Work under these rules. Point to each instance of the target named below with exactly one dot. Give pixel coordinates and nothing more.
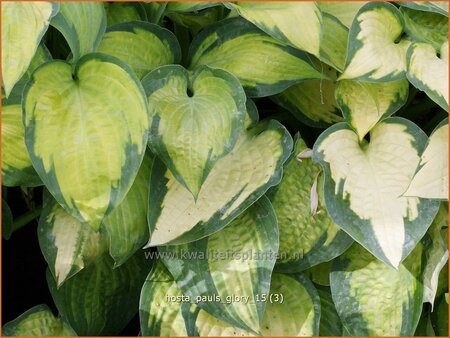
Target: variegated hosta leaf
(67, 244)
(431, 28)
(141, 45)
(431, 178)
(440, 7)
(330, 323)
(263, 65)
(82, 24)
(86, 132)
(121, 12)
(162, 306)
(435, 244)
(127, 225)
(100, 299)
(37, 321)
(196, 119)
(23, 26)
(313, 102)
(364, 183)
(333, 46)
(249, 246)
(189, 6)
(235, 182)
(344, 11)
(428, 71)
(363, 104)
(297, 314)
(374, 299)
(17, 169)
(373, 53)
(15, 96)
(307, 237)
(298, 24)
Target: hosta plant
(228, 168)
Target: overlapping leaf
(37, 321)
(86, 132)
(121, 12)
(431, 178)
(365, 182)
(375, 52)
(191, 131)
(344, 11)
(82, 24)
(440, 7)
(307, 237)
(298, 24)
(263, 65)
(101, 300)
(334, 41)
(363, 104)
(313, 101)
(236, 261)
(141, 45)
(23, 26)
(330, 323)
(428, 71)
(374, 299)
(235, 182)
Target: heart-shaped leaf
(196, 119)
(100, 299)
(298, 24)
(363, 104)
(306, 238)
(440, 7)
(86, 132)
(344, 11)
(431, 178)
(428, 71)
(374, 54)
(141, 45)
(82, 24)
(17, 169)
(37, 321)
(374, 299)
(365, 182)
(263, 65)
(312, 102)
(431, 28)
(23, 26)
(235, 182)
(247, 248)
(121, 12)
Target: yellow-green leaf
(37, 321)
(374, 54)
(428, 71)
(23, 26)
(298, 24)
(313, 101)
(363, 104)
(344, 11)
(141, 45)
(82, 24)
(333, 46)
(365, 182)
(307, 237)
(121, 12)
(196, 119)
(431, 178)
(86, 132)
(235, 261)
(17, 169)
(263, 65)
(235, 182)
(374, 299)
